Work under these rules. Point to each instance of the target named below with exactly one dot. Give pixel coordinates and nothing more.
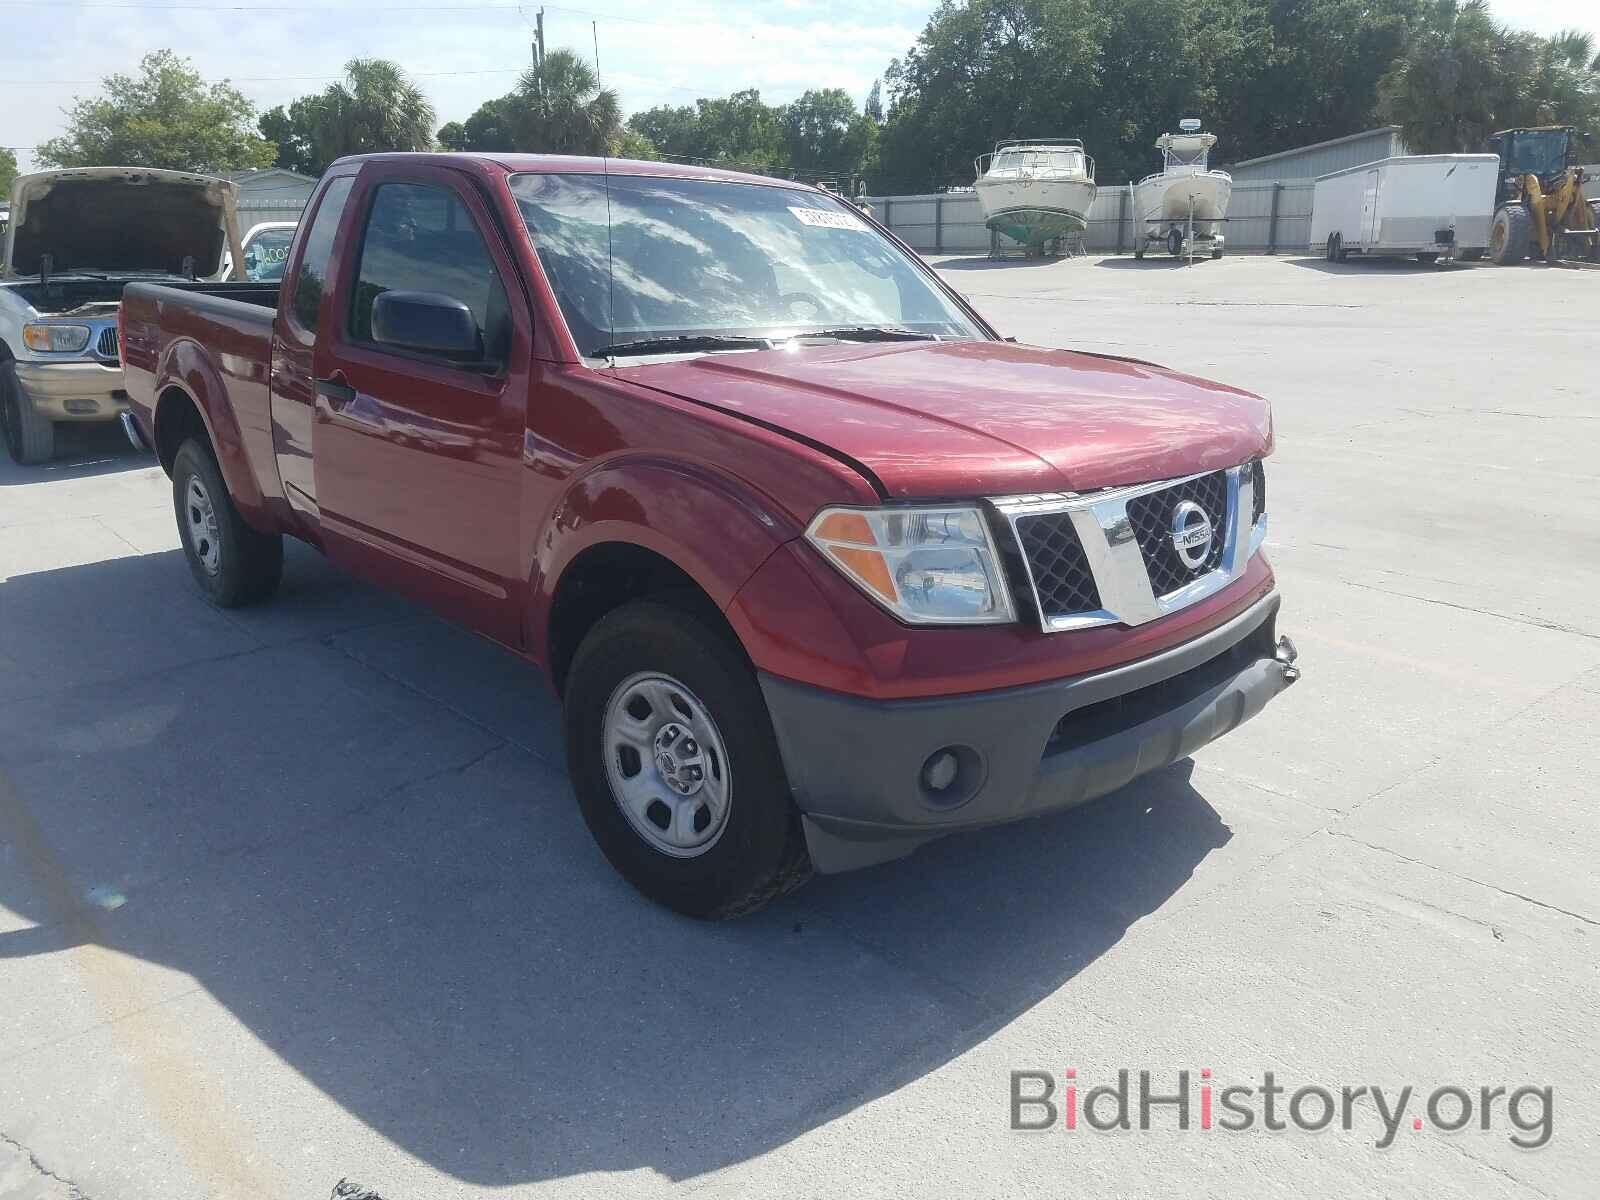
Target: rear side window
(313, 275)
(422, 239)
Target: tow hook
(1286, 654)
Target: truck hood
(948, 419)
(124, 220)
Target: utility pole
(538, 50)
(594, 28)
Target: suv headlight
(928, 566)
(55, 339)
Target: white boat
(1036, 190)
(1184, 203)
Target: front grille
(1258, 476)
(1151, 517)
(106, 347)
(1061, 576)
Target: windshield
(1542, 154)
(675, 257)
(266, 254)
(1052, 161)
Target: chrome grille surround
(1110, 546)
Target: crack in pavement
(1537, 903)
(39, 1168)
(1515, 618)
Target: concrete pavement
(300, 893)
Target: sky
(465, 51)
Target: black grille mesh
(1258, 475)
(1151, 515)
(1061, 575)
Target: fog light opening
(951, 776)
(940, 771)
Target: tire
(1473, 255)
(1427, 257)
(1510, 235)
(1332, 246)
(1216, 253)
(1340, 254)
(29, 438)
(232, 564)
(1138, 251)
(754, 849)
(1175, 241)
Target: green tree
(1465, 75)
(291, 138)
(375, 107)
(873, 108)
(166, 116)
(8, 172)
(560, 108)
(673, 130)
(824, 134)
(629, 143)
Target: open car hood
(951, 419)
(126, 220)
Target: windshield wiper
(687, 343)
(870, 333)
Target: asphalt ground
(300, 893)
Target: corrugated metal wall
(952, 222)
(1311, 161)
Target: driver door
(418, 456)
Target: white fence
(1265, 217)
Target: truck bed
(226, 331)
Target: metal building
(1305, 163)
(271, 195)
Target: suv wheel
(232, 563)
(675, 766)
(29, 438)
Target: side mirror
(427, 322)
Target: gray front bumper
(73, 391)
(856, 766)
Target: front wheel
(29, 438)
(232, 563)
(675, 765)
(1511, 235)
(1175, 241)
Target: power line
(261, 78)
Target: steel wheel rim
(667, 765)
(200, 515)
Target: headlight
(928, 566)
(55, 339)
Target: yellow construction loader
(1540, 209)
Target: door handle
(336, 391)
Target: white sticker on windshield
(826, 218)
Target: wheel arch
(190, 399)
(602, 578)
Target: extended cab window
(319, 248)
(421, 238)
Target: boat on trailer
(1185, 204)
(1036, 190)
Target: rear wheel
(232, 563)
(1330, 251)
(1510, 235)
(29, 438)
(675, 766)
(1175, 241)
(1339, 252)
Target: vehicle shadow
(1379, 266)
(1154, 260)
(349, 823)
(82, 451)
(985, 263)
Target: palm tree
(376, 107)
(564, 108)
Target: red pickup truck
(821, 567)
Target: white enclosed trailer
(1425, 205)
